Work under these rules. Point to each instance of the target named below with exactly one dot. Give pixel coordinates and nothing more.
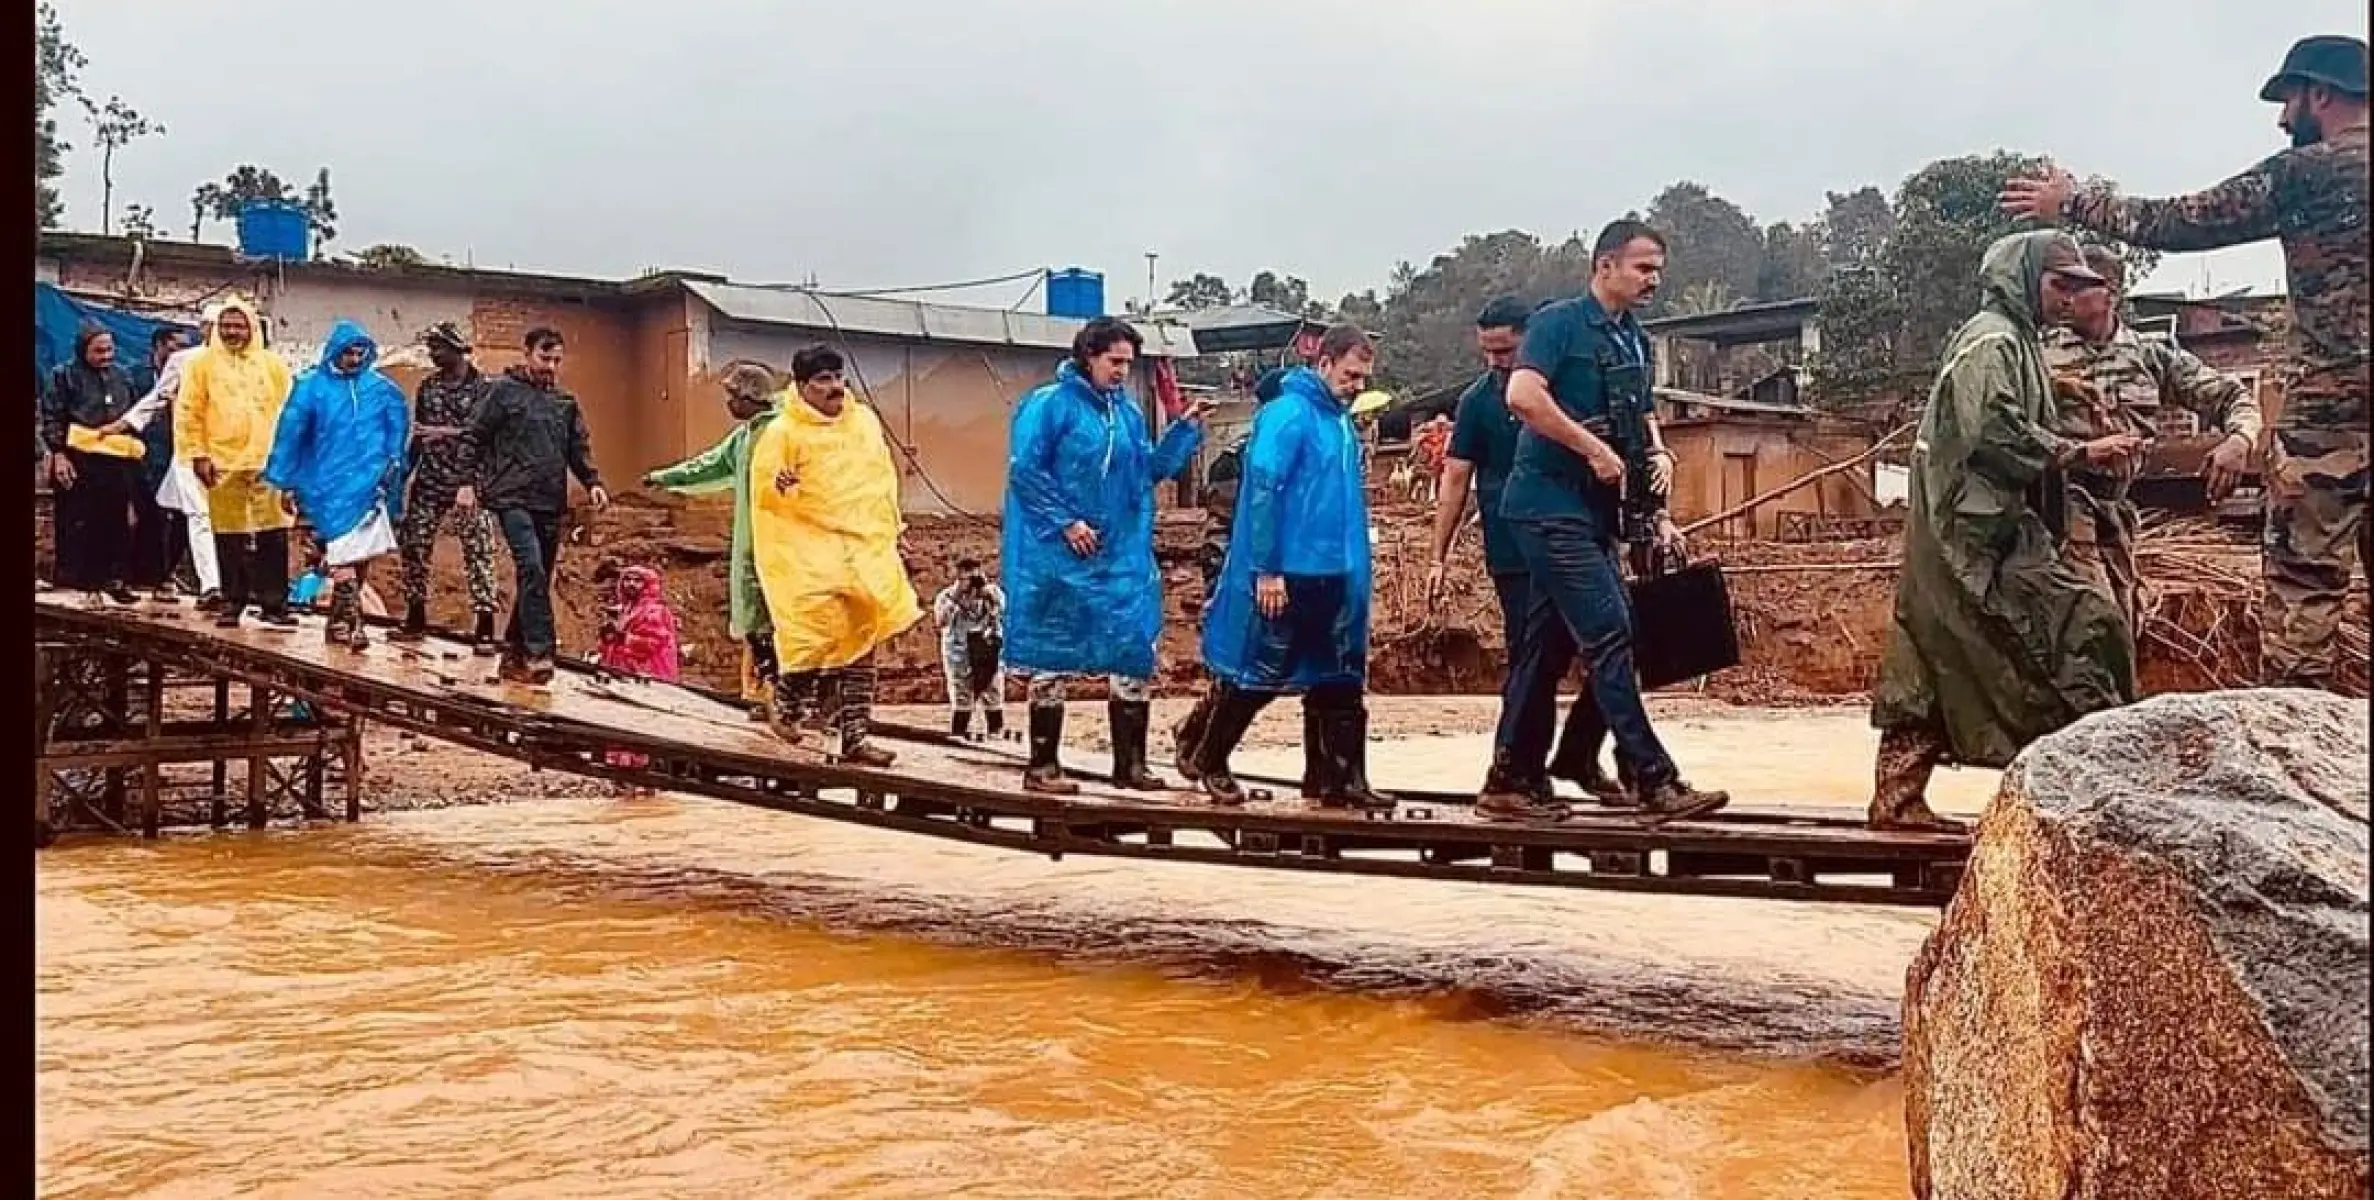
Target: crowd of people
(2017, 612)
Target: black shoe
(1187, 733)
(226, 616)
(278, 618)
(1232, 714)
(994, 722)
(1129, 720)
(960, 723)
(1674, 800)
(415, 627)
(1344, 733)
(210, 602)
(1044, 775)
(482, 636)
(120, 594)
(868, 755)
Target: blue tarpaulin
(57, 317)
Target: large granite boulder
(2153, 981)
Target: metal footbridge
(108, 720)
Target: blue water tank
(1076, 293)
(273, 229)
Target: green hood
(2011, 276)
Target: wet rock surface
(2153, 982)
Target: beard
(2307, 130)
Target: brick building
(642, 352)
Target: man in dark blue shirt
(1580, 358)
(1483, 448)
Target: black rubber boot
(1044, 775)
(415, 627)
(1346, 739)
(960, 723)
(1129, 720)
(1189, 731)
(1320, 774)
(1232, 714)
(482, 636)
(993, 722)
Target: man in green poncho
(750, 393)
(1998, 638)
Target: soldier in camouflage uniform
(444, 460)
(2313, 198)
(2109, 380)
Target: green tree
(321, 213)
(116, 125)
(140, 222)
(57, 67)
(1709, 239)
(1793, 266)
(1854, 227)
(249, 183)
(390, 254)
(1199, 291)
(1284, 293)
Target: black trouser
(1335, 736)
(534, 539)
(255, 570)
(164, 537)
(1578, 584)
(1586, 731)
(93, 522)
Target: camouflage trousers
(2101, 542)
(1050, 691)
(423, 519)
(838, 698)
(2316, 532)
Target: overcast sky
(898, 142)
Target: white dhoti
(374, 537)
(182, 493)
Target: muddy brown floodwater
(598, 998)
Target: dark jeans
(255, 570)
(93, 522)
(1578, 590)
(534, 540)
(1586, 731)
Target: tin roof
(916, 320)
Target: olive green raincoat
(1997, 640)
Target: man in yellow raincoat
(230, 403)
(824, 531)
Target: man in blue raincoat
(338, 453)
(1291, 611)
(1083, 597)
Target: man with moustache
(530, 437)
(1579, 359)
(228, 410)
(2313, 199)
(1998, 636)
(444, 461)
(751, 393)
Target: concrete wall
(628, 384)
(1711, 472)
(950, 402)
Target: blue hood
(343, 335)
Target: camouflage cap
(2063, 256)
(2107, 262)
(2329, 60)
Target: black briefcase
(1681, 626)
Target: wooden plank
(123, 753)
(259, 714)
(152, 773)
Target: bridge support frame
(117, 733)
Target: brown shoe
(1674, 800)
(1520, 807)
(1913, 816)
(868, 755)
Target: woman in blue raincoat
(1290, 613)
(1083, 597)
(338, 453)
